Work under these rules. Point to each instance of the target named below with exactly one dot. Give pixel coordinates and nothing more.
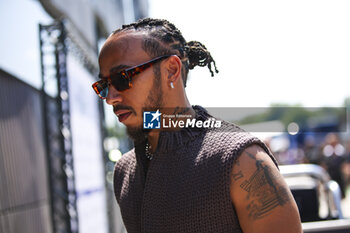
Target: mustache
(123, 107)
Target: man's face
(121, 52)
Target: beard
(153, 101)
(137, 134)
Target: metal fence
(24, 193)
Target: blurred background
(285, 63)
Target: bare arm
(261, 197)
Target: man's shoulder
(229, 127)
(127, 161)
(124, 166)
(230, 140)
(229, 132)
(122, 170)
(223, 126)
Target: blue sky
(19, 41)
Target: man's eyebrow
(114, 70)
(118, 68)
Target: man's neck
(153, 136)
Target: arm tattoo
(263, 194)
(237, 162)
(237, 176)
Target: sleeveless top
(186, 187)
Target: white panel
(88, 159)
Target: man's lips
(122, 114)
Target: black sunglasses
(122, 80)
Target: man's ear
(173, 67)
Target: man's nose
(113, 96)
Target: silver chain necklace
(148, 154)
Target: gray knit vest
(186, 187)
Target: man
(184, 179)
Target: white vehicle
(318, 198)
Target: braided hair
(164, 39)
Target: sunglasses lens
(101, 88)
(104, 92)
(120, 82)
